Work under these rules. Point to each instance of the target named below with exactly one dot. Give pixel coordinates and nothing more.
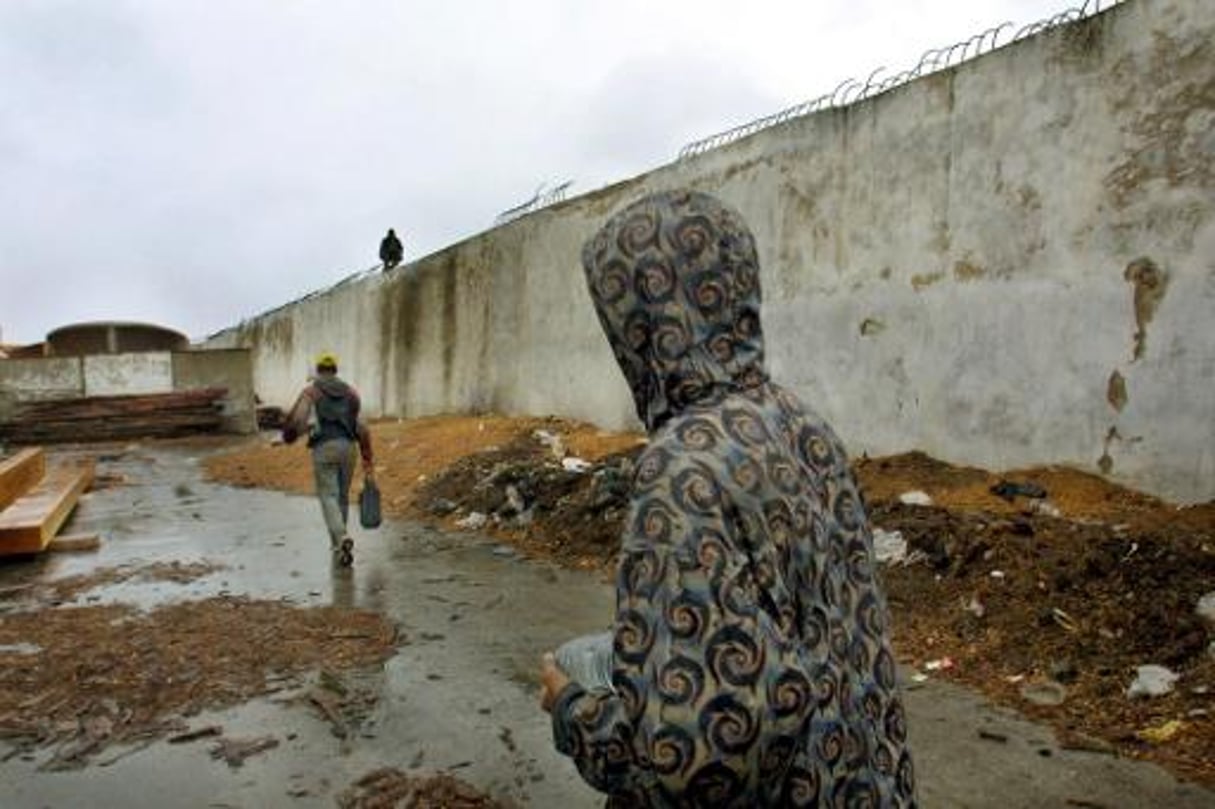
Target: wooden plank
(32, 521)
(72, 543)
(20, 473)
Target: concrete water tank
(112, 337)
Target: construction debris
(389, 788)
(85, 678)
(110, 418)
(235, 751)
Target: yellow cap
(326, 359)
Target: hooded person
(328, 411)
(751, 660)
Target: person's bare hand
(552, 681)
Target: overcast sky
(194, 162)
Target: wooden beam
(29, 524)
(20, 473)
(71, 543)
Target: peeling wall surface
(1006, 263)
(127, 374)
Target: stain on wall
(1149, 282)
(1115, 392)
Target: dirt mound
(555, 506)
(1016, 604)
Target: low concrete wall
(1006, 263)
(231, 369)
(128, 374)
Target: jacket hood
(330, 385)
(675, 281)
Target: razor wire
(541, 199)
(851, 91)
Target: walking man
(328, 411)
(391, 250)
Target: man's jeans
(332, 465)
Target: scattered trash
(975, 607)
(392, 787)
(441, 507)
(1064, 620)
(1152, 681)
(1161, 733)
(552, 441)
(889, 547)
(919, 677)
(997, 574)
(20, 649)
(474, 521)
(235, 751)
(572, 464)
(505, 551)
(1063, 671)
(1206, 609)
(1046, 508)
(944, 664)
(992, 736)
(1010, 490)
(195, 735)
(1046, 693)
(915, 498)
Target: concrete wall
(128, 374)
(24, 380)
(231, 369)
(1011, 262)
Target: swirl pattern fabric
(752, 662)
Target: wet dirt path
(460, 694)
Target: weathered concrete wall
(1011, 262)
(231, 369)
(23, 380)
(128, 374)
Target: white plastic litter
(1152, 681)
(889, 547)
(572, 464)
(1206, 609)
(915, 498)
(552, 441)
(473, 521)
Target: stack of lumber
(36, 501)
(108, 418)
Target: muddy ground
(1045, 599)
(209, 654)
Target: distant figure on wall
(391, 251)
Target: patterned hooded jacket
(752, 663)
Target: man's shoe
(346, 552)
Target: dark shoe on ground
(346, 552)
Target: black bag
(369, 505)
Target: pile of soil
(408, 453)
(389, 788)
(1065, 592)
(525, 494)
(83, 678)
